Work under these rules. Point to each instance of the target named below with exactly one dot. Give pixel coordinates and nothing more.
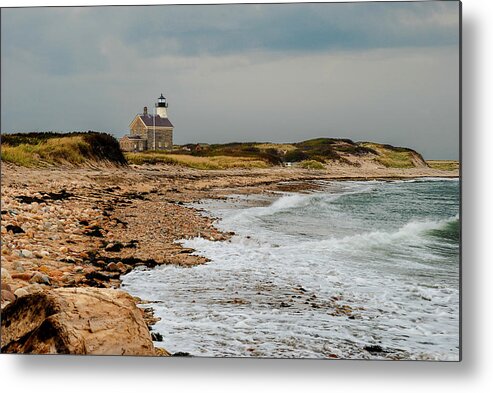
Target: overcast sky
(385, 72)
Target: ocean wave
(426, 179)
(296, 201)
(412, 232)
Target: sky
(383, 72)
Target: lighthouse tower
(162, 107)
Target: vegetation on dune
(79, 148)
(321, 149)
(237, 149)
(311, 164)
(444, 165)
(191, 161)
(331, 149)
(45, 149)
(395, 157)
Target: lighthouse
(162, 107)
(150, 132)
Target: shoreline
(173, 312)
(105, 221)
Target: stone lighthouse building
(150, 131)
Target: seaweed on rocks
(14, 229)
(156, 336)
(99, 260)
(94, 231)
(48, 196)
(102, 276)
(374, 349)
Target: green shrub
(296, 155)
(311, 164)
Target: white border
(84, 374)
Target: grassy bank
(395, 157)
(46, 149)
(215, 162)
(307, 153)
(443, 165)
(80, 148)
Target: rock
(5, 274)
(41, 254)
(21, 292)
(22, 276)
(26, 254)
(156, 336)
(121, 266)
(19, 267)
(112, 267)
(33, 288)
(6, 287)
(75, 321)
(40, 278)
(161, 352)
(7, 296)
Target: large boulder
(90, 321)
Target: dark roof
(160, 121)
(132, 136)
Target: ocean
(353, 270)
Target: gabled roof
(158, 122)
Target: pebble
(121, 266)
(26, 253)
(19, 267)
(8, 296)
(5, 274)
(40, 278)
(21, 292)
(33, 288)
(112, 267)
(22, 276)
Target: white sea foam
(382, 263)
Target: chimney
(145, 110)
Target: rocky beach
(70, 233)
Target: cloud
(69, 40)
(387, 72)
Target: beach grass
(443, 165)
(69, 150)
(392, 157)
(284, 147)
(196, 162)
(48, 149)
(311, 164)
